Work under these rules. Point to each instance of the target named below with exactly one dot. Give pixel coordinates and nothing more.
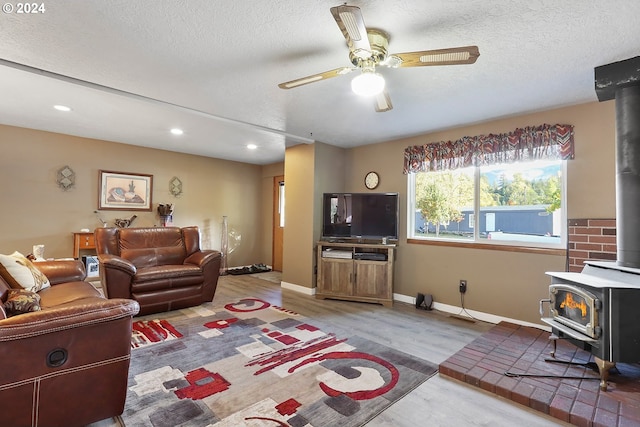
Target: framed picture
(124, 191)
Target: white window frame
(412, 209)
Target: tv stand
(356, 272)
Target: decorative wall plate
(66, 178)
(175, 186)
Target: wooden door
(278, 222)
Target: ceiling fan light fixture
(392, 61)
(368, 84)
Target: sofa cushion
(144, 257)
(21, 301)
(157, 246)
(68, 293)
(166, 277)
(20, 273)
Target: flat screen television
(360, 216)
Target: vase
(166, 220)
(224, 245)
(165, 211)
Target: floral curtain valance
(522, 144)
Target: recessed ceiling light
(177, 131)
(252, 146)
(62, 108)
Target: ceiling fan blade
(383, 102)
(351, 23)
(451, 56)
(316, 77)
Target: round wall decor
(371, 180)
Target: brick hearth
(520, 349)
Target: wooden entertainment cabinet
(356, 272)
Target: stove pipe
(621, 80)
(628, 176)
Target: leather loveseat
(67, 363)
(162, 268)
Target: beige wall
(310, 170)
(505, 284)
(297, 263)
(330, 177)
(502, 283)
(36, 211)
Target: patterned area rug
(250, 363)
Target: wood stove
(597, 308)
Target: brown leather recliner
(66, 364)
(162, 268)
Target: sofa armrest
(116, 275)
(61, 271)
(202, 258)
(117, 263)
(67, 317)
(209, 261)
(66, 365)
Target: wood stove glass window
(509, 204)
(572, 306)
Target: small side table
(83, 241)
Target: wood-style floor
(430, 335)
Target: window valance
(522, 144)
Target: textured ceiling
(131, 70)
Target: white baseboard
(404, 298)
(298, 288)
(446, 308)
(471, 314)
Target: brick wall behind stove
(591, 239)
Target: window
(513, 204)
(281, 202)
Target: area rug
(251, 363)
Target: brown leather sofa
(66, 364)
(162, 268)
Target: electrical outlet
(463, 286)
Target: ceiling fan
(368, 50)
